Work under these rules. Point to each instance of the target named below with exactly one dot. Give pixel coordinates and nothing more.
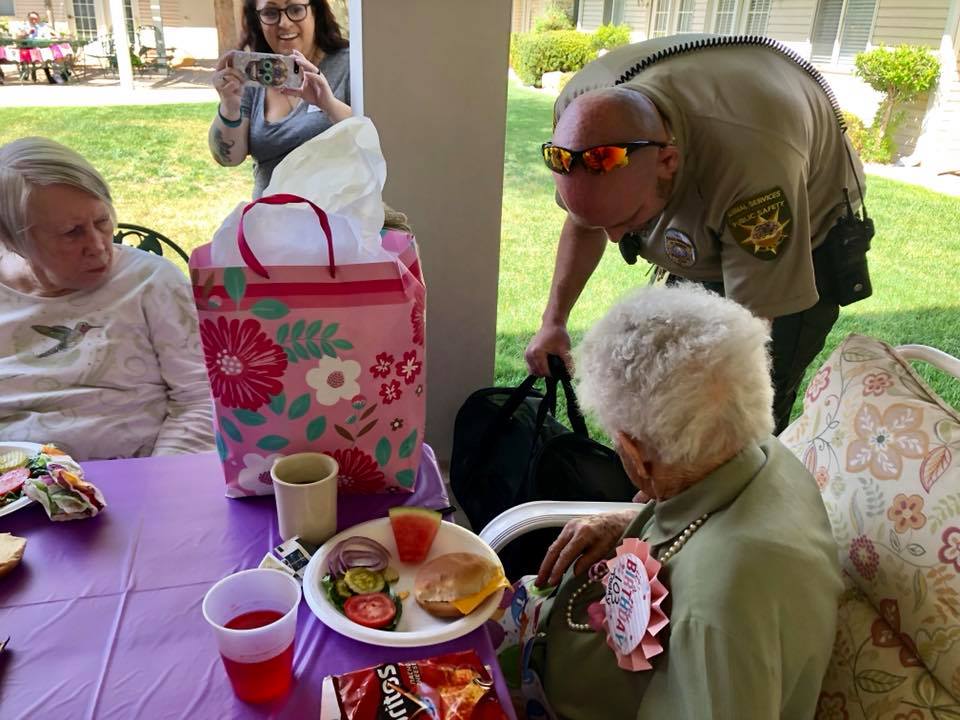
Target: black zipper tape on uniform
(733, 40)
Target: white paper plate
(29, 448)
(417, 626)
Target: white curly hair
(682, 370)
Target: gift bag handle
(282, 199)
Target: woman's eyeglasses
(597, 160)
(271, 15)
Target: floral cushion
(873, 673)
(882, 447)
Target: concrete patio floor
(185, 85)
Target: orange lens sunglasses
(597, 160)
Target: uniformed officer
(721, 162)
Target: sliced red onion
(357, 551)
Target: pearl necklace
(664, 558)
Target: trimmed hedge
(533, 54)
(607, 37)
(871, 144)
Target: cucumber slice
(343, 590)
(12, 459)
(363, 581)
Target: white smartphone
(267, 69)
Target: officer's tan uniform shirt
(763, 166)
(752, 605)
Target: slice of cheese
(468, 604)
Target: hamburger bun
(11, 550)
(448, 578)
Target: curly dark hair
(327, 35)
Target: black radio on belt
(846, 247)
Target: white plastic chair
(521, 519)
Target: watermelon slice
(414, 530)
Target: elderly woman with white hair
(680, 379)
(100, 351)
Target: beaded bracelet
(229, 123)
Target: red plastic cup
(253, 614)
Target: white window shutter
(825, 30)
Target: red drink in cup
(254, 616)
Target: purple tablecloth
(104, 614)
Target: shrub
(870, 143)
(564, 79)
(537, 53)
(554, 17)
(901, 74)
(607, 37)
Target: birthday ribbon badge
(631, 609)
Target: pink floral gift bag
(305, 358)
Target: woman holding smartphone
(267, 123)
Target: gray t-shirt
(269, 142)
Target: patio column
(121, 44)
(433, 78)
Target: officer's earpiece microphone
(630, 245)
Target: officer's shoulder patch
(761, 223)
(678, 246)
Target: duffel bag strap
(558, 370)
(502, 418)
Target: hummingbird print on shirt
(66, 337)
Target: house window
(725, 22)
(757, 17)
(6, 8)
(85, 18)
(613, 12)
(660, 22)
(664, 21)
(685, 15)
(128, 16)
(841, 30)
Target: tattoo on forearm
(222, 146)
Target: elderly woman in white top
(99, 351)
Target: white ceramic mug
(305, 485)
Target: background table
(104, 614)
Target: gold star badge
(760, 223)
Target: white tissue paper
(343, 172)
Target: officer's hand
(590, 538)
(549, 340)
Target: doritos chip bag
(455, 686)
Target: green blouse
(752, 605)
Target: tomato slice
(372, 610)
(12, 481)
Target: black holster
(843, 259)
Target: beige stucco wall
(429, 86)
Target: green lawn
(157, 162)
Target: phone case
(268, 70)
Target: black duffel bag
(509, 448)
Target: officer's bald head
(625, 198)
(609, 115)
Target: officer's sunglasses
(597, 160)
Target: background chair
(882, 448)
(146, 239)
